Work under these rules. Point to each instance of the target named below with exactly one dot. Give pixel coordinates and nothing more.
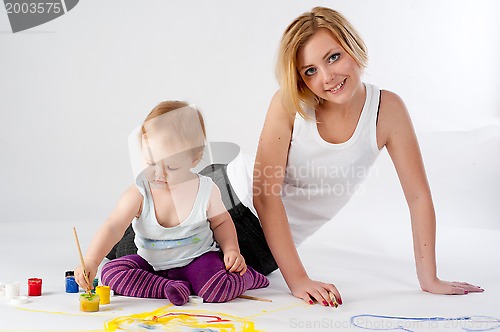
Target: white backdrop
(72, 90)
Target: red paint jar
(34, 287)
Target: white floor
(372, 267)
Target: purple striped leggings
(205, 276)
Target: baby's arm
(109, 234)
(222, 225)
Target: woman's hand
(438, 286)
(235, 262)
(91, 270)
(307, 288)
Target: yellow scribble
(51, 330)
(84, 314)
(265, 312)
(172, 319)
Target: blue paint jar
(95, 283)
(71, 285)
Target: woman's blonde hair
(178, 124)
(294, 93)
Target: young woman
(321, 124)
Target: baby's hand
(80, 279)
(235, 262)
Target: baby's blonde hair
(179, 124)
(294, 92)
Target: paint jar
(70, 282)
(103, 292)
(12, 289)
(71, 285)
(89, 302)
(195, 299)
(18, 300)
(94, 284)
(69, 274)
(34, 287)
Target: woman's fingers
(307, 299)
(452, 288)
(336, 295)
(469, 287)
(466, 287)
(324, 294)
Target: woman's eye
(170, 168)
(310, 71)
(333, 57)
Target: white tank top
(320, 177)
(169, 247)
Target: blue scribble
(147, 326)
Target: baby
(186, 239)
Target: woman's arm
(110, 233)
(269, 170)
(396, 130)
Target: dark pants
(253, 245)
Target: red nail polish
(325, 303)
(311, 302)
(339, 300)
(466, 292)
(331, 303)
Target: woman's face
(327, 69)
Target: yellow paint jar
(89, 302)
(103, 292)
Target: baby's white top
(169, 247)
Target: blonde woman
(323, 122)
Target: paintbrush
(248, 297)
(333, 299)
(82, 262)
